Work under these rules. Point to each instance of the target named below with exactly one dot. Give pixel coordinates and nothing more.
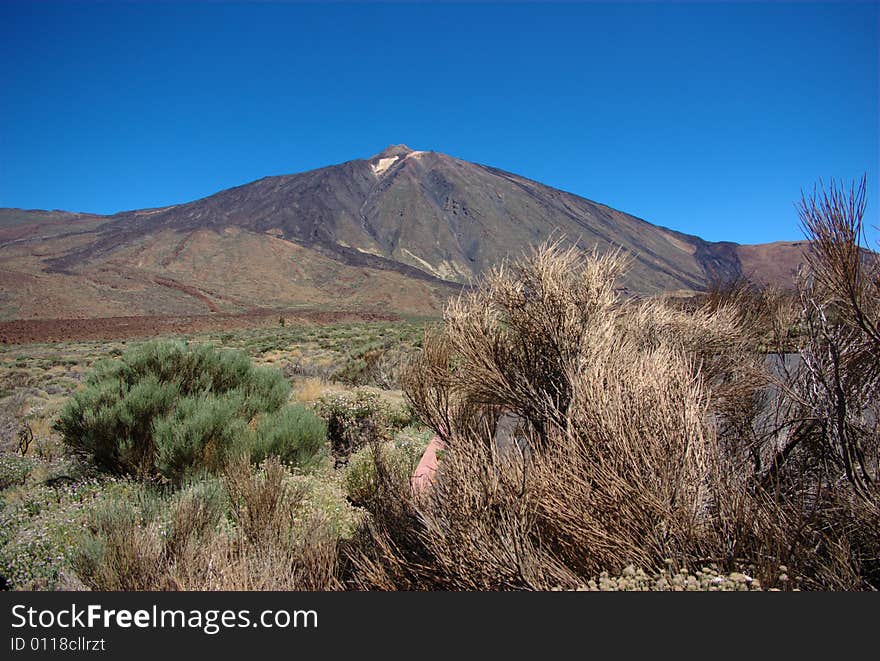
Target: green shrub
(200, 432)
(399, 457)
(294, 434)
(353, 421)
(170, 410)
(361, 480)
(14, 469)
(357, 419)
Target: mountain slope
(399, 231)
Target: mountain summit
(393, 150)
(401, 231)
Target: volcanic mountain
(400, 231)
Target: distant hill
(400, 231)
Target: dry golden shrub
(646, 435)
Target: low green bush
(398, 457)
(357, 419)
(14, 469)
(41, 528)
(294, 434)
(168, 410)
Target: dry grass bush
(123, 551)
(743, 338)
(651, 432)
(841, 306)
(244, 532)
(828, 457)
(277, 548)
(310, 389)
(720, 341)
(623, 467)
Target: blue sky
(705, 117)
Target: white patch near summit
(383, 164)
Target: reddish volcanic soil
(110, 328)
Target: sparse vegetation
(57, 513)
(246, 531)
